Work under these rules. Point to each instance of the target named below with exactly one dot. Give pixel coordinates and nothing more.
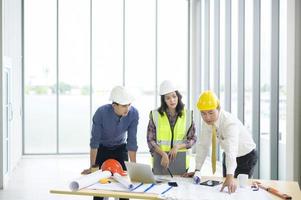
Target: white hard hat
(167, 87)
(121, 96)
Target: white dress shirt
(233, 136)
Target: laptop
(176, 167)
(138, 172)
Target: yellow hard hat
(207, 101)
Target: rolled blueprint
(123, 181)
(87, 180)
(197, 177)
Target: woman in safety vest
(239, 155)
(171, 128)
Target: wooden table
(107, 193)
(288, 187)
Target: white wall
(297, 145)
(12, 49)
(1, 102)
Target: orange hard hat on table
(113, 166)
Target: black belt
(251, 152)
(112, 147)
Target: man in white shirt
(239, 155)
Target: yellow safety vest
(166, 137)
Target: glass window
(140, 62)
(204, 50)
(265, 89)
(282, 88)
(123, 43)
(222, 51)
(173, 43)
(74, 76)
(248, 64)
(40, 76)
(234, 56)
(212, 56)
(107, 49)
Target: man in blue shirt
(114, 131)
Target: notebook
(176, 167)
(138, 172)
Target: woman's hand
(230, 183)
(165, 160)
(173, 152)
(188, 174)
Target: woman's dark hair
(179, 108)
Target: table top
(290, 188)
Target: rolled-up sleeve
(230, 141)
(191, 137)
(96, 131)
(151, 135)
(132, 133)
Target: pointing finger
(222, 188)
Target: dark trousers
(118, 153)
(245, 164)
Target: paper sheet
(87, 180)
(137, 187)
(115, 186)
(198, 192)
(186, 190)
(123, 181)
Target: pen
(137, 187)
(273, 191)
(152, 185)
(166, 190)
(169, 172)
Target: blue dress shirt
(110, 130)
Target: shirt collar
(218, 121)
(114, 115)
(168, 113)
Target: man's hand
(132, 156)
(86, 171)
(230, 183)
(173, 152)
(165, 160)
(90, 170)
(188, 174)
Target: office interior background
(61, 58)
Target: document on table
(153, 188)
(109, 186)
(137, 187)
(191, 191)
(199, 192)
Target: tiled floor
(36, 175)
